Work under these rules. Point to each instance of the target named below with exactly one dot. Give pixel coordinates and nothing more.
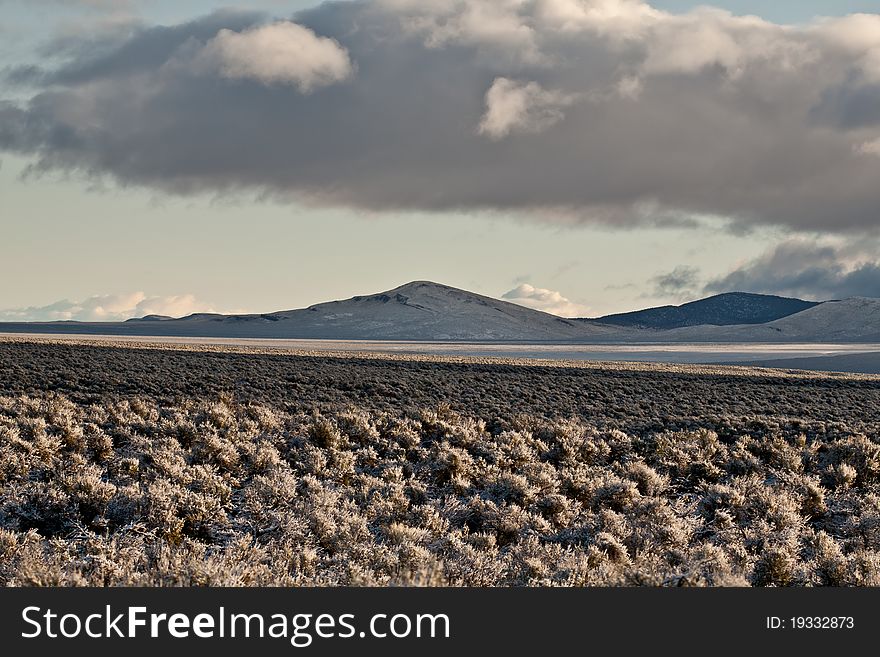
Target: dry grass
(147, 467)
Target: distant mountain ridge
(150, 318)
(420, 310)
(426, 311)
(423, 310)
(850, 320)
(720, 310)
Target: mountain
(425, 311)
(422, 310)
(150, 318)
(720, 310)
(416, 311)
(429, 311)
(851, 320)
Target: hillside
(850, 320)
(416, 311)
(425, 311)
(428, 311)
(721, 310)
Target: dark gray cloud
(850, 106)
(679, 283)
(131, 48)
(22, 75)
(573, 110)
(809, 270)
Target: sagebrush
(146, 488)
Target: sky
(581, 157)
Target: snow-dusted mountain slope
(429, 311)
(849, 320)
(416, 311)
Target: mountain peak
(425, 310)
(424, 286)
(435, 295)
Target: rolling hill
(720, 310)
(416, 311)
(850, 320)
(426, 311)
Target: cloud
(869, 147)
(493, 28)
(108, 308)
(548, 301)
(521, 107)
(280, 53)
(680, 283)
(808, 269)
(592, 111)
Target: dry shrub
(164, 490)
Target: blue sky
(112, 244)
(782, 11)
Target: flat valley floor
(140, 464)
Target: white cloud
(280, 53)
(108, 308)
(629, 87)
(623, 19)
(493, 26)
(856, 36)
(871, 147)
(548, 301)
(527, 31)
(521, 107)
(710, 37)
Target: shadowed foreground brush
(136, 491)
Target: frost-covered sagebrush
(132, 491)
